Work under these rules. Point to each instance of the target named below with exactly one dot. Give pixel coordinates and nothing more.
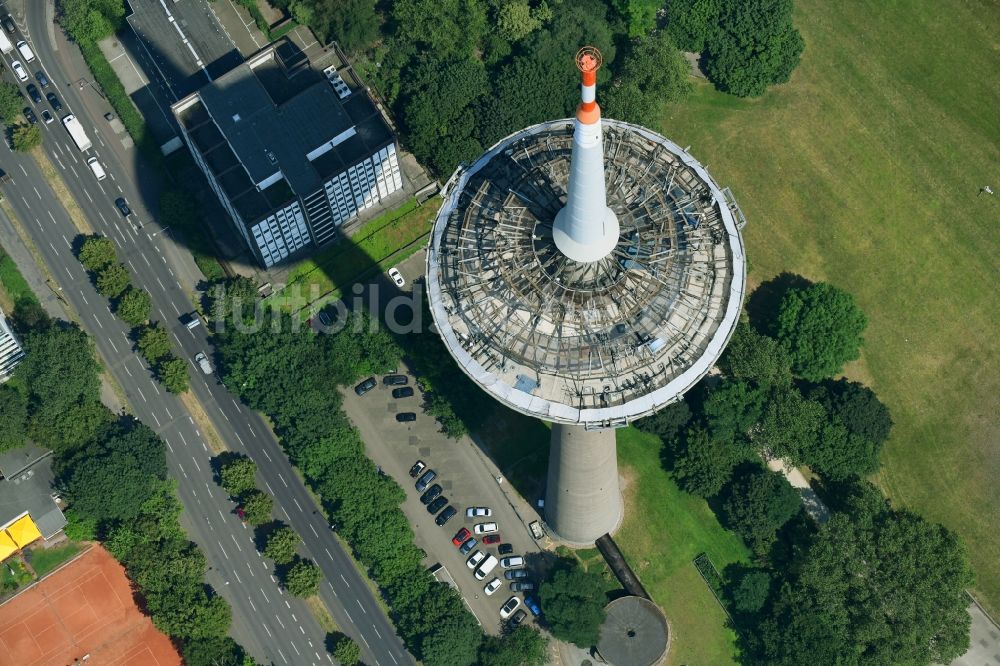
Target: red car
(491, 538)
(460, 538)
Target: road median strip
(59, 188)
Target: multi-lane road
(274, 627)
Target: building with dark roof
(292, 153)
(634, 633)
(26, 481)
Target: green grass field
(13, 286)
(664, 530)
(864, 171)
(45, 560)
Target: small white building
(11, 352)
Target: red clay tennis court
(85, 608)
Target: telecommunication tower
(586, 272)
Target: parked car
(417, 468)
(33, 93)
(485, 528)
(461, 536)
(508, 608)
(533, 606)
(365, 386)
(518, 618)
(122, 207)
(406, 417)
(395, 380)
(478, 512)
(505, 549)
(425, 480)
(491, 539)
(484, 570)
(8, 24)
(437, 505)
(402, 392)
(476, 558)
(431, 494)
(54, 101)
(514, 574)
(522, 586)
(19, 70)
(445, 516)
(46, 116)
(512, 561)
(492, 586)
(43, 80)
(396, 277)
(467, 547)
(29, 115)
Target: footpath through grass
(865, 171)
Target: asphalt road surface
(272, 626)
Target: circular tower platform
(634, 633)
(594, 344)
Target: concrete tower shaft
(586, 230)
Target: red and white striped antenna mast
(586, 230)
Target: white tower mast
(586, 230)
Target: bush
(26, 137)
(134, 307)
(302, 578)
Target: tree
(759, 504)
(13, 416)
(790, 425)
(703, 465)
(173, 373)
(134, 306)
(515, 19)
(448, 29)
(216, 651)
(91, 20)
(755, 46)
(343, 649)
(257, 505)
(453, 641)
(524, 646)
(873, 587)
(574, 602)
(857, 407)
(655, 72)
(302, 578)
(110, 479)
(281, 545)
(10, 102)
(668, 422)
(26, 137)
(756, 357)
(821, 328)
(238, 474)
(112, 280)
(692, 22)
(233, 298)
(79, 528)
(353, 23)
(640, 15)
(154, 342)
(751, 593)
(97, 252)
(732, 409)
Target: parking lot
(465, 481)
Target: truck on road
(75, 130)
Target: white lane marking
(37, 192)
(361, 607)
(314, 530)
(393, 657)
(345, 580)
(120, 246)
(88, 303)
(87, 192)
(175, 308)
(301, 629)
(284, 482)
(183, 471)
(279, 621)
(366, 641)
(236, 542)
(236, 404)
(266, 455)
(169, 415)
(195, 461)
(182, 437)
(22, 169)
(61, 165)
(349, 616)
(112, 343)
(168, 446)
(279, 649)
(328, 555)
(251, 430)
(120, 190)
(125, 365)
(223, 414)
(296, 649)
(377, 631)
(251, 569)
(251, 604)
(141, 393)
(75, 174)
(264, 595)
(51, 217)
(238, 579)
(98, 321)
(223, 550)
(68, 273)
(267, 630)
(269, 488)
(146, 260)
(65, 240)
(54, 250)
(156, 419)
(297, 504)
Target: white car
(203, 363)
(19, 70)
(396, 277)
(475, 559)
(488, 565)
(478, 512)
(508, 608)
(485, 528)
(492, 586)
(512, 561)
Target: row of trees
(97, 253)
(23, 136)
(287, 371)
(112, 471)
(874, 585)
(299, 575)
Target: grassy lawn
(13, 286)
(44, 560)
(664, 530)
(864, 171)
(340, 265)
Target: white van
(486, 567)
(96, 167)
(25, 50)
(5, 44)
